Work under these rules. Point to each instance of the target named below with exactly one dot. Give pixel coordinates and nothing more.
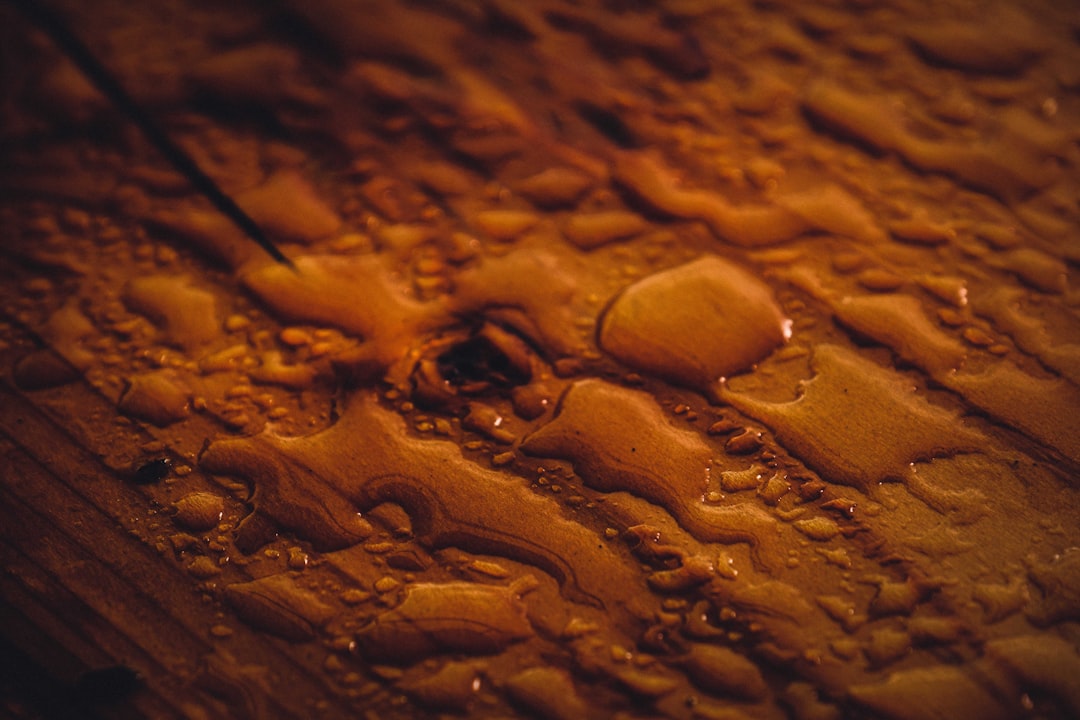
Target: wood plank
(133, 603)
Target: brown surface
(683, 359)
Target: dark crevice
(608, 123)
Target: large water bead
(695, 323)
